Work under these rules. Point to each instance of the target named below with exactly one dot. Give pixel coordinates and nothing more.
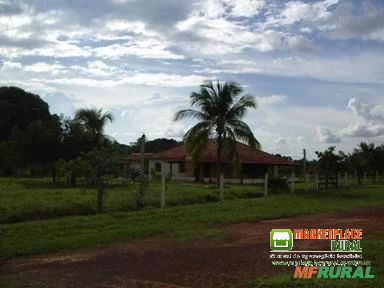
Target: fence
(316, 182)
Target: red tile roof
(209, 155)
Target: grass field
(190, 221)
(63, 217)
(27, 199)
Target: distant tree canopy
(365, 158)
(156, 145)
(18, 109)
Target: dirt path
(162, 263)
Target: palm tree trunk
(218, 163)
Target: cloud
(44, 67)
(325, 135)
(281, 141)
(297, 11)
(365, 111)
(271, 100)
(148, 79)
(369, 120)
(361, 130)
(367, 25)
(146, 48)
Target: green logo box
(281, 239)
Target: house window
(158, 167)
(182, 167)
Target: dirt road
(164, 263)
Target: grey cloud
(10, 8)
(27, 43)
(325, 135)
(369, 24)
(155, 13)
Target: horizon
(315, 67)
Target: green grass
(184, 222)
(27, 199)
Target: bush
(278, 184)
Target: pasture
(39, 217)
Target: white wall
(166, 168)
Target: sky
(316, 68)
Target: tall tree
(219, 109)
(94, 121)
(18, 109)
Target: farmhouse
(251, 167)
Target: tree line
(33, 141)
(367, 158)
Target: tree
(220, 109)
(94, 122)
(18, 109)
(329, 161)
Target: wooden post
(162, 195)
(317, 182)
(346, 179)
(293, 182)
(306, 182)
(365, 178)
(221, 187)
(266, 184)
(140, 200)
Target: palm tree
(94, 121)
(220, 110)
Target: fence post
(162, 195)
(306, 181)
(338, 180)
(293, 182)
(346, 179)
(317, 182)
(365, 178)
(266, 184)
(221, 187)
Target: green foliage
(156, 145)
(94, 122)
(331, 162)
(220, 110)
(18, 109)
(278, 184)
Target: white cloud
(296, 11)
(325, 135)
(9, 65)
(369, 120)
(271, 100)
(148, 79)
(361, 130)
(147, 48)
(44, 67)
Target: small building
(251, 166)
